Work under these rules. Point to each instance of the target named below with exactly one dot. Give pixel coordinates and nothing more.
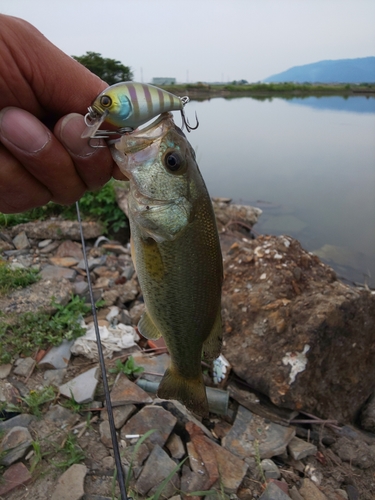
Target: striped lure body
(127, 105)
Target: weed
(100, 205)
(38, 455)
(24, 333)
(129, 368)
(33, 403)
(258, 461)
(11, 279)
(71, 404)
(72, 451)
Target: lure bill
(128, 105)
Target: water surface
(308, 163)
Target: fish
(176, 253)
(128, 105)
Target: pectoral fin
(147, 328)
(212, 345)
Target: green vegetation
(268, 89)
(129, 368)
(100, 206)
(22, 334)
(73, 453)
(109, 70)
(33, 403)
(11, 279)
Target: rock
(5, 370)
(105, 434)
(136, 312)
(156, 469)
(60, 416)
(137, 455)
(270, 469)
(13, 477)
(70, 248)
(21, 241)
(367, 417)
(356, 452)
(49, 248)
(58, 273)
(311, 492)
(226, 213)
(294, 494)
(251, 435)
(175, 446)
(299, 449)
(192, 481)
(54, 377)
(273, 492)
(81, 388)
(58, 356)
(22, 420)
(121, 414)
(150, 417)
(125, 392)
(70, 484)
(24, 366)
(92, 263)
(128, 271)
(8, 392)
(37, 297)
(59, 230)
(128, 292)
(81, 287)
(44, 243)
(14, 445)
(219, 463)
(153, 364)
(63, 261)
(183, 415)
(283, 330)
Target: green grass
(34, 402)
(100, 206)
(129, 368)
(23, 334)
(72, 452)
(11, 279)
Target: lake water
(309, 164)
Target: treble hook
(185, 122)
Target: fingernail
(23, 130)
(71, 130)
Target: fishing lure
(128, 105)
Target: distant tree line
(109, 70)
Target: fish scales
(176, 250)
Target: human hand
(42, 89)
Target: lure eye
(173, 161)
(105, 101)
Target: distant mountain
(358, 70)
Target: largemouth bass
(176, 252)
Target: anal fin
(147, 327)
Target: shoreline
(202, 91)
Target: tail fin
(190, 392)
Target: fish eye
(173, 161)
(105, 101)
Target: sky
(205, 40)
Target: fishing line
(116, 451)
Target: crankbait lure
(128, 105)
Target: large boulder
(296, 333)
